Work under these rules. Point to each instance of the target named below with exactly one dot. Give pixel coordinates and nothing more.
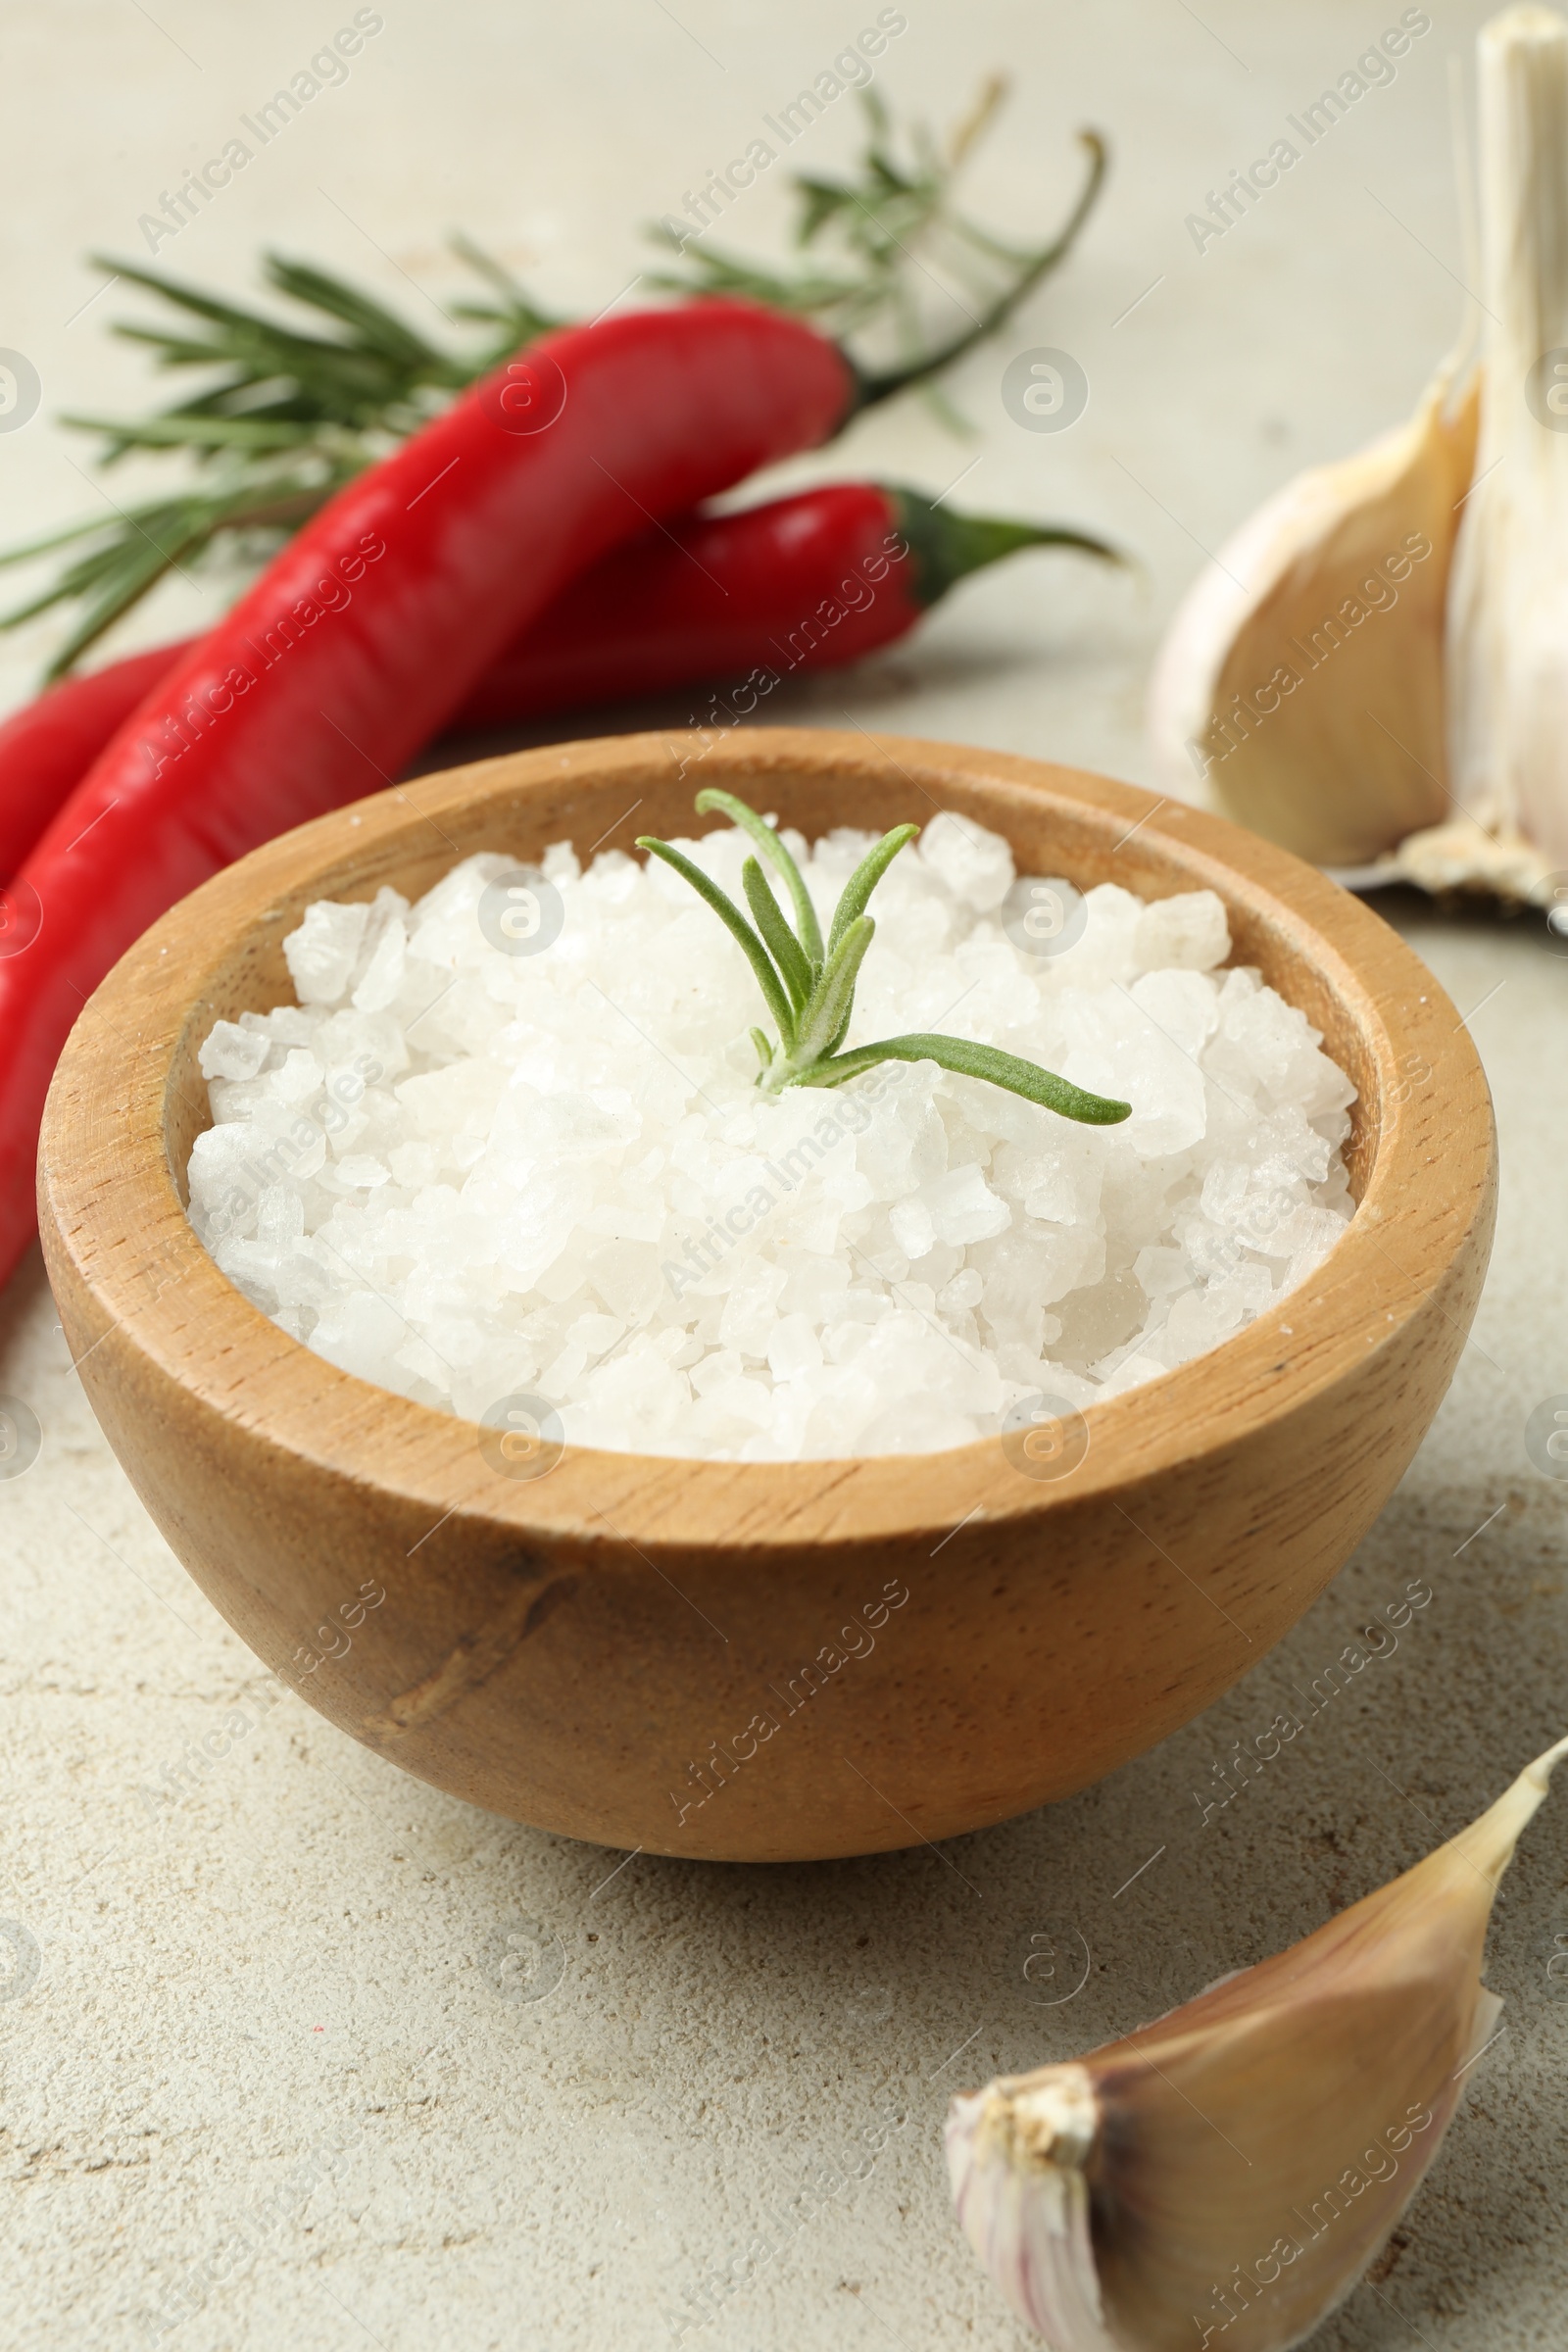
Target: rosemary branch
(810, 990)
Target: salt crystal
(300, 1076)
(792, 1347)
(232, 1053)
(963, 1207)
(360, 1170)
(384, 970)
(465, 1174)
(321, 953)
(975, 865)
(912, 1226)
(1184, 933)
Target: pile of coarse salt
(486, 1158)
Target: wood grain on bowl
(763, 1661)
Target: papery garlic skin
(1231, 2170)
(1507, 643)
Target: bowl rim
(110, 1202)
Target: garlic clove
(1233, 2168)
(1301, 677)
(1507, 646)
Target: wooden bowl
(749, 1661)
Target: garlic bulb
(1233, 2169)
(1375, 669)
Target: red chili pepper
(367, 630)
(47, 747)
(805, 582)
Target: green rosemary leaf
(88, 529)
(780, 941)
(969, 1061)
(875, 109)
(891, 381)
(184, 430)
(774, 850)
(80, 578)
(373, 327)
(820, 200)
(711, 270)
(730, 915)
(813, 1032)
(135, 546)
(322, 382)
(178, 351)
(865, 877)
(827, 1016)
(372, 363)
(134, 566)
(514, 310)
(169, 289)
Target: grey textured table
(318, 2058)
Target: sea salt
(520, 1154)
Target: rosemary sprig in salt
(809, 987)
